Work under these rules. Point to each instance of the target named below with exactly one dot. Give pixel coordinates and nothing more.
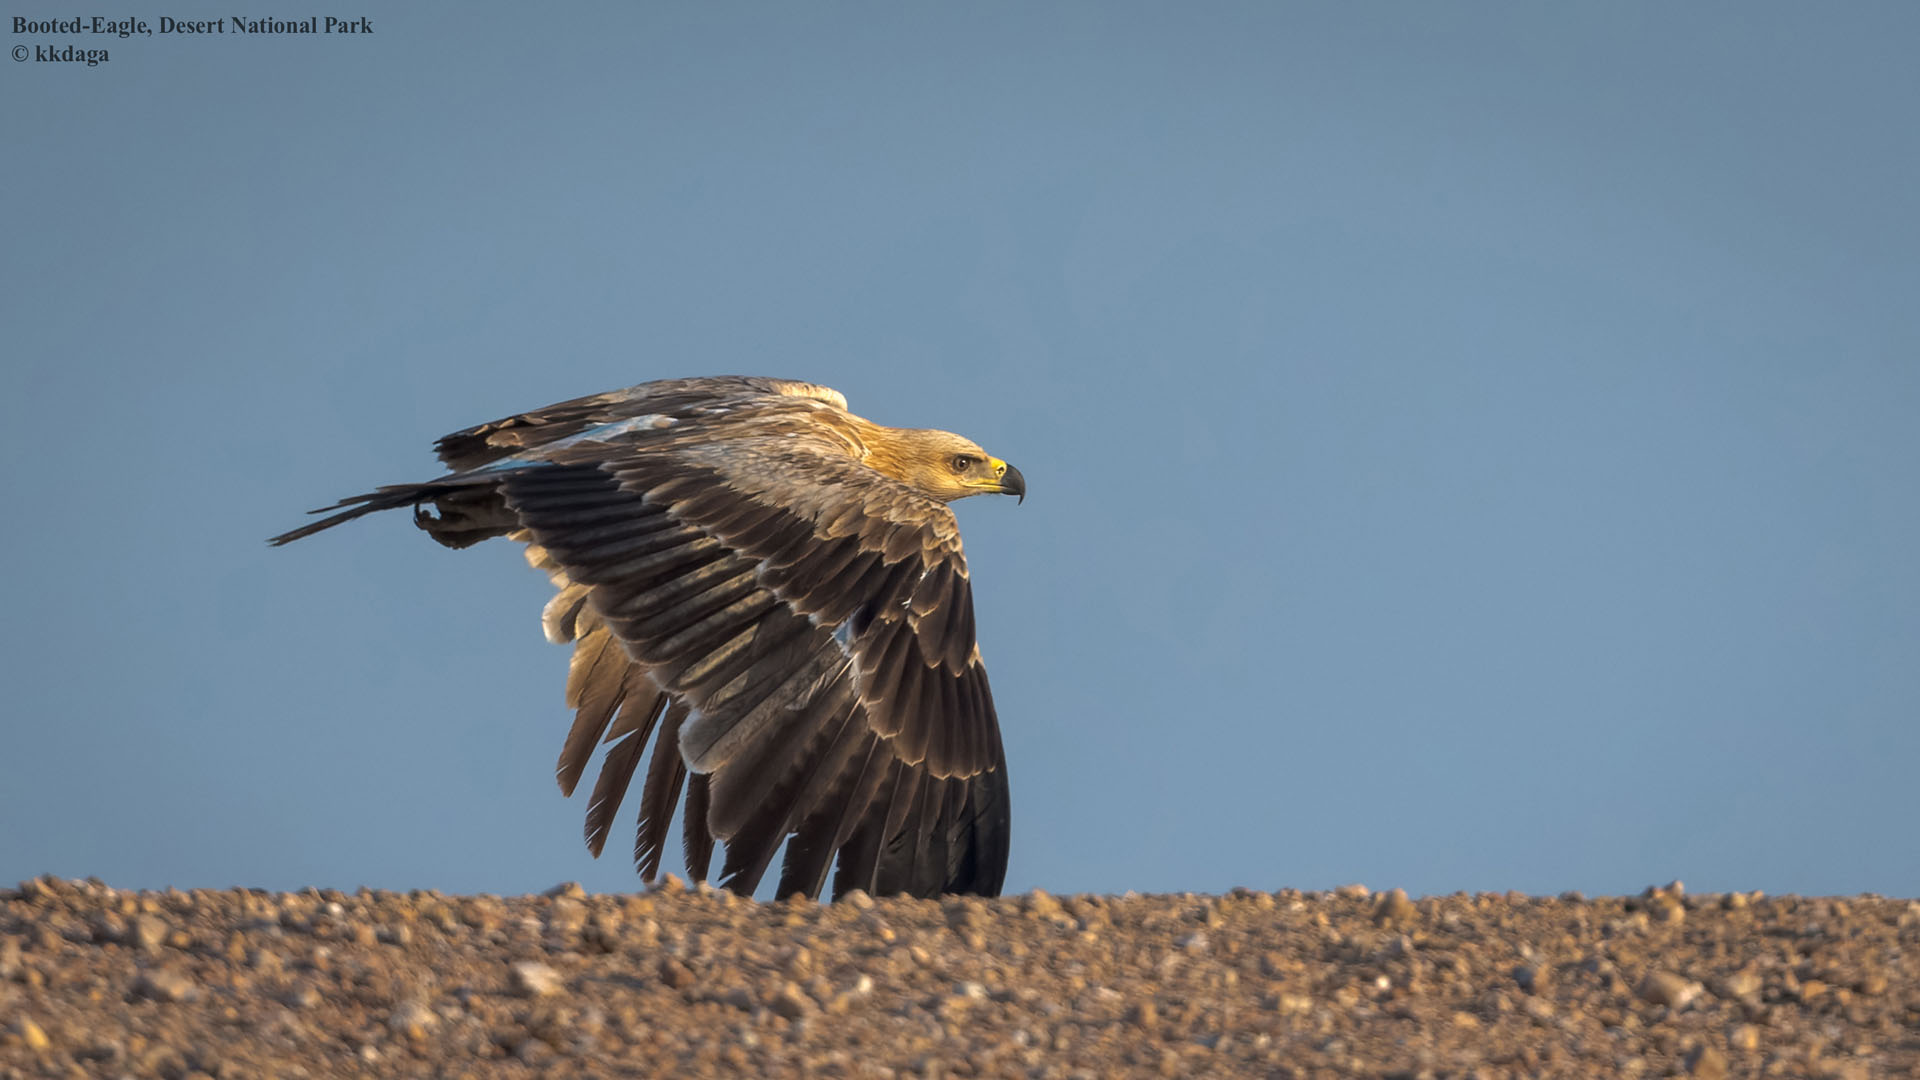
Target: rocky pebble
(692, 982)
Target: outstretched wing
(815, 619)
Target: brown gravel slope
(678, 982)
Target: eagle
(771, 591)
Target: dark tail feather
(469, 504)
(387, 498)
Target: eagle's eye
(962, 462)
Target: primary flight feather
(770, 590)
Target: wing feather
(642, 710)
(660, 794)
(596, 686)
(860, 855)
(765, 798)
(696, 837)
(839, 811)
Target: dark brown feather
(839, 810)
(596, 685)
(660, 794)
(696, 837)
(642, 710)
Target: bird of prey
(771, 590)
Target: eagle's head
(945, 466)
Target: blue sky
(1470, 446)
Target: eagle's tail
(386, 498)
(469, 510)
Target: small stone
(413, 1019)
(1530, 978)
(163, 984)
(571, 889)
(675, 974)
(1290, 1004)
(104, 1051)
(797, 962)
(481, 913)
(1195, 942)
(1144, 1016)
(31, 1036)
(1667, 909)
(1354, 891)
(1707, 1063)
(566, 913)
(954, 1006)
(602, 931)
(1666, 988)
(1740, 984)
(857, 899)
(1394, 908)
(644, 933)
(1042, 905)
(531, 978)
(150, 933)
(791, 1002)
(1744, 1037)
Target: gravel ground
(96, 981)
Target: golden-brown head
(941, 465)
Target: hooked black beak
(1012, 483)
